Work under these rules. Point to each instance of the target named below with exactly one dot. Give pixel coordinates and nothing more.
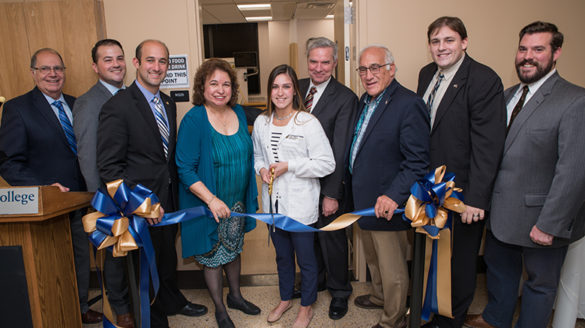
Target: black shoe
(363, 301)
(430, 324)
(242, 305)
(193, 310)
(223, 320)
(337, 308)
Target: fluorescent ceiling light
(329, 17)
(258, 18)
(258, 6)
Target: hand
(61, 187)
(329, 205)
(385, 207)
(279, 168)
(218, 208)
(161, 213)
(265, 175)
(540, 237)
(472, 214)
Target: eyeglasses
(374, 68)
(48, 69)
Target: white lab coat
(306, 148)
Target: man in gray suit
(110, 66)
(538, 206)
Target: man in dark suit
(136, 142)
(537, 204)
(334, 105)
(466, 106)
(388, 153)
(110, 66)
(37, 137)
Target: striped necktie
(309, 100)
(163, 128)
(431, 97)
(66, 125)
(518, 107)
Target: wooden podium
(45, 239)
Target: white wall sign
(177, 74)
(19, 200)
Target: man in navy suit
(37, 137)
(465, 101)
(388, 153)
(334, 105)
(136, 142)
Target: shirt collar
(534, 86)
(147, 94)
(321, 87)
(112, 89)
(50, 100)
(448, 73)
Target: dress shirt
(112, 89)
(532, 88)
(448, 75)
(320, 88)
(56, 110)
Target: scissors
(270, 183)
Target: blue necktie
(67, 127)
(162, 125)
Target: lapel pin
(386, 103)
(455, 86)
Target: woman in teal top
(215, 163)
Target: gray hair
(387, 53)
(33, 59)
(321, 42)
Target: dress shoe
(297, 292)
(275, 315)
(476, 321)
(193, 310)
(224, 320)
(242, 305)
(125, 320)
(430, 324)
(337, 308)
(91, 316)
(364, 302)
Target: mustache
(528, 61)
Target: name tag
(19, 200)
(294, 137)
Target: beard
(541, 71)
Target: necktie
(162, 125)
(309, 100)
(431, 97)
(66, 125)
(518, 106)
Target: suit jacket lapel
(383, 105)
(425, 81)
(41, 104)
(529, 108)
(143, 107)
(456, 84)
(328, 92)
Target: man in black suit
(468, 126)
(389, 151)
(334, 105)
(136, 142)
(37, 137)
(110, 66)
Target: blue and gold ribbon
(429, 208)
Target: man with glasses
(465, 103)
(389, 151)
(37, 137)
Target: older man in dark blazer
(136, 142)
(537, 204)
(37, 138)
(335, 106)
(466, 105)
(388, 153)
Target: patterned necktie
(431, 97)
(518, 107)
(309, 100)
(66, 125)
(162, 125)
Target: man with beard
(537, 203)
